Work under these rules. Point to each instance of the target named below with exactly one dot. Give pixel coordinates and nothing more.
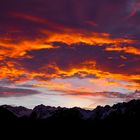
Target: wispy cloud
(16, 92)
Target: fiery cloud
(42, 41)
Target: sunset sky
(69, 52)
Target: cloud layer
(41, 41)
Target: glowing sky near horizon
(69, 52)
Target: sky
(69, 53)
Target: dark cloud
(80, 56)
(75, 14)
(16, 92)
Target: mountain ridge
(44, 112)
(121, 118)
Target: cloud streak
(16, 92)
(113, 95)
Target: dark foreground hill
(120, 118)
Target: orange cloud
(70, 36)
(66, 35)
(127, 49)
(20, 75)
(19, 49)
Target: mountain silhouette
(120, 118)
